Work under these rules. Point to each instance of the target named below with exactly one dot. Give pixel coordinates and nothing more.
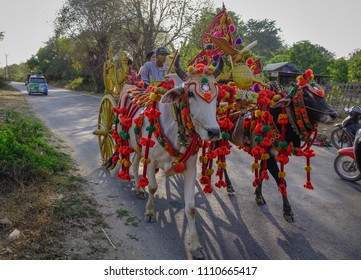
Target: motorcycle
(348, 161)
(343, 134)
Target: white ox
(202, 113)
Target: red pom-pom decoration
(143, 182)
(179, 167)
(208, 189)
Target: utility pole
(6, 67)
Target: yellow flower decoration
(282, 116)
(276, 97)
(308, 168)
(255, 166)
(155, 97)
(126, 163)
(203, 159)
(258, 113)
(265, 156)
(281, 174)
(145, 161)
(209, 172)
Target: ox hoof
(109, 165)
(260, 200)
(230, 189)
(288, 217)
(149, 218)
(141, 195)
(198, 254)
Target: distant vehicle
(37, 84)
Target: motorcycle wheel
(340, 139)
(346, 168)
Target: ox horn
(219, 68)
(178, 69)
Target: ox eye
(190, 94)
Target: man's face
(161, 58)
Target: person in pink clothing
(132, 75)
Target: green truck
(36, 84)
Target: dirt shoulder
(51, 219)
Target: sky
(334, 25)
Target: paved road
(328, 219)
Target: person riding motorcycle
(350, 123)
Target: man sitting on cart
(155, 71)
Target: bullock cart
(115, 73)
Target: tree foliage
(269, 42)
(338, 70)
(18, 72)
(55, 60)
(147, 24)
(89, 24)
(86, 28)
(136, 26)
(305, 55)
(354, 73)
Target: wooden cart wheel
(105, 127)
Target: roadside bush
(80, 84)
(25, 155)
(3, 83)
(75, 84)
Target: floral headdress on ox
(203, 88)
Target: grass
(130, 219)
(40, 192)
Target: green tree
(305, 55)
(89, 24)
(18, 72)
(269, 42)
(354, 70)
(135, 26)
(338, 70)
(279, 58)
(55, 60)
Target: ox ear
(284, 102)
(172, 96)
